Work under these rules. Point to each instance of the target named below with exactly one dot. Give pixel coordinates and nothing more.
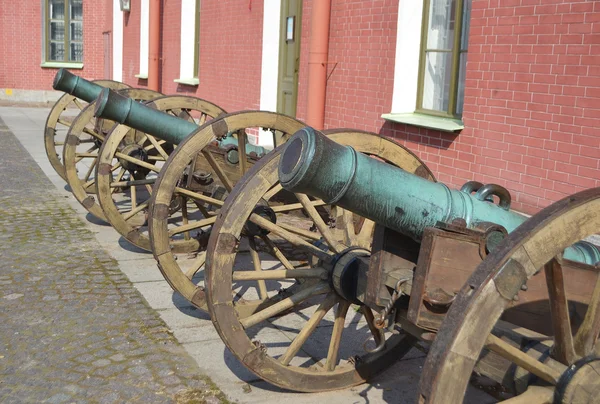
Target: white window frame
(44, 62)
(144, 35)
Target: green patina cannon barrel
(79, 87)
(315, 165)
(115, 107)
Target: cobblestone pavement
(73, 328)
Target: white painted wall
(270, 64)
(188, 36)
(117, 42)
(144, 35)
(406, 72)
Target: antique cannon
(186, 196)
(64, 111)
(427, 242)
(86, 135)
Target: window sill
(58, 65)
(143, 76)
(426, 121)
(188, 82)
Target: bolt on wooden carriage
(383, 255)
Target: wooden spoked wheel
(124, 194)
(315, 335)
(200, 206)
(59, 121)
(571, 368)
(80, 152)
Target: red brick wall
(532, 106)
(230, 52)
(131, 45)
(21, 44)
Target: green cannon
(313, 164)
(115, 107)
(77, 86)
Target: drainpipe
(317, 63)
(154, 45)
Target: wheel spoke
(296, 206)
(292, 238)
(588, 332)
(279, 274)
(196, 265)
(158, 146)
(93, 133)
(311, 235)
(137, 210)
(118, 179)
(336, 335)
(215, 166)
(276, 252)
(563, 350)
(90, 169)
(130, 183)
(330, 300)
(65, 123)
(78, 104)
(198, 196)
(273, 191)
(262, 286)
(521, 359)
(533, 395)
(192, 226)
(133, 191)
(242, 152)
(319, 223)
(285, 304)
(137, 161)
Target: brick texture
(21, 44)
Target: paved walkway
(73, 326)
(86, 317)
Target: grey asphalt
(34, 196)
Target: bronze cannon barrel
(315, 165)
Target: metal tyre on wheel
(259, 286)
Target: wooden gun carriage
(336, 237)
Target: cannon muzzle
(315, 165)
(79, 87)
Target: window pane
(441, 24)
(76, 10)
(76, 31)
(466, 23)
(436, 81)
(460, 96)
(57, 9)
(57, 51)
(76, 52)
(57, 31)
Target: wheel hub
(137, 152)
(579, 383)
(347, 272)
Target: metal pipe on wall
(317, 63)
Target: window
(428, 92)
(64, 31)
(443, 57)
